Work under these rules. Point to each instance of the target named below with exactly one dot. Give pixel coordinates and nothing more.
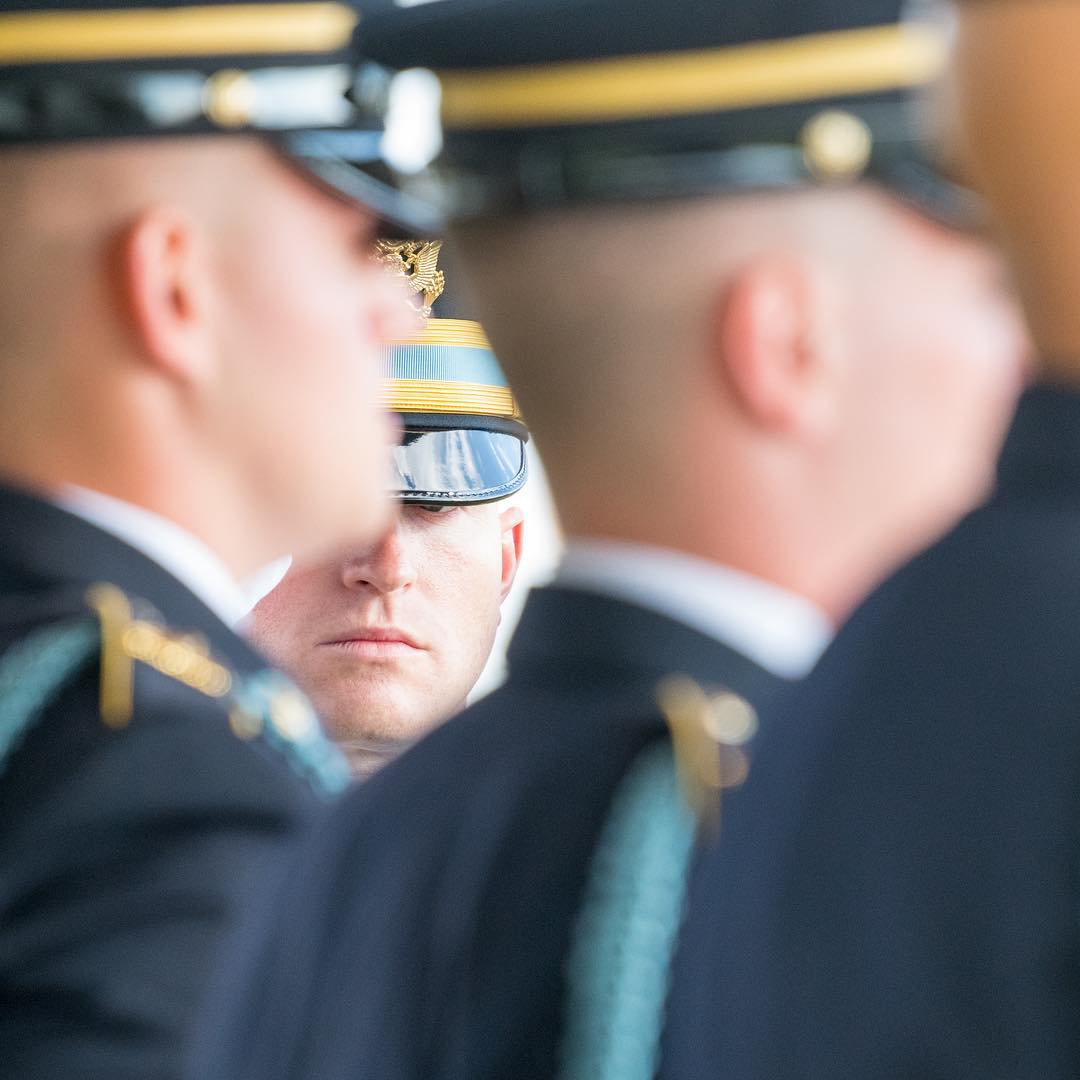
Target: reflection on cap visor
(350, 163)
(926, 188)
(458, 465)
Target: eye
(434, 508)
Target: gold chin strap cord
(838, 64)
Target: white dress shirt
(783, 633)
(173, 548)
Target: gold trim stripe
(434, 396)
(461, 332)
(212, 30)
(837, 64)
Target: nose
(387, 566)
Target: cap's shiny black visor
(349, 163)
(333, 133)
(458, 465)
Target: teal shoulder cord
(34, 669)
(297, 736)
(627, 928)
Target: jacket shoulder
(145, 672)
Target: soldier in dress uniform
(389, 637)
(896, 894)
(189, 329)
(764, 357)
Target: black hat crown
(553, 102)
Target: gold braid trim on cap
(210, 30)
(434, 396)
(461, 332)
(844, 62)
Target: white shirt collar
(784, 633)
(183, 555)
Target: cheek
(297, 296)
(281, 615)
(981, 369)
(466, 590)
(310, 388)
(948, 341)
(270, 632)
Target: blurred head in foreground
(731, 286)
(389, 637)
(1016, 90)
(189, 311)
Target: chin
(374, 721)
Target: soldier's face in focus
(389, 638)
(301, 308)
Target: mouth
(374, 643)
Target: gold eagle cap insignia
(417, 261)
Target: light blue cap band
(443, 363)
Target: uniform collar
(782, 632)
(173, 548)
(1042, 451)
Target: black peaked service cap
(555, 102)
(288, 70)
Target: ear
(777, 343)
(512, 530)
(167, 292)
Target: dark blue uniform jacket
(124, 854)
(897, 889)
(423, 937)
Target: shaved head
(63, 204)
(205, 301)
(691, 369)
(595, 312)
(607, 319)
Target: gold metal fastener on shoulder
(114, 613)
(708, 733)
